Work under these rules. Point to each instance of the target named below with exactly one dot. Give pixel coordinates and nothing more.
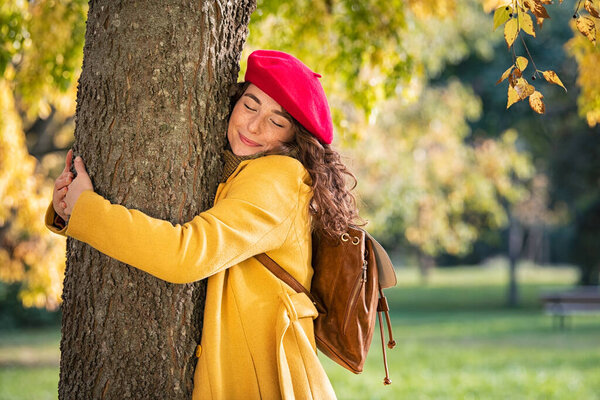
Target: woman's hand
(60, 188)
(80, 183)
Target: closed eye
(276, 124)
(249, 108)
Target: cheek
(229, 132)
(235, 117)
(287, 135)
(233, 121)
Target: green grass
(456, 340)
(29, 364)
(28, 383)
(480, 355)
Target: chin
(245, 151)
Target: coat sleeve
(50, 218)
(255, 216)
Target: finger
(68, 161)
(62, 192)
(80, 166)
(62, 184)
(63, 181)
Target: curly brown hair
(333, 206)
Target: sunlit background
(484, 210)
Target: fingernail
(78, 158)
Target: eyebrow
(278, 112)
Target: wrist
(59, 222)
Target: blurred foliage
(588, 78)
(15, 315)
(28, 252)
(563, 147)
(445, 191)
(41, 50)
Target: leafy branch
(516, 16)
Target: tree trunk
(515, 245)
(151, 118)
(426, 265)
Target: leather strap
(386, 380)
(285, 276)
(382, 306)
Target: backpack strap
(286, 277)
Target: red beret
(295, 87)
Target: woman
(281, 181)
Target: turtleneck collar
(231, 161)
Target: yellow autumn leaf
(586, 26)
(521, 63)
(523, 88)
(589, 6)
(551, 77)
(513, 97)
(505, 74)
(512, 79)
(536, 103)
(511, 29)
(537, 8)
(501, 15)
(527, 23)
(540, 21)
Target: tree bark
(152, 105)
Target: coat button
(198, 350)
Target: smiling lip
(248, 142)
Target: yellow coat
(257, 339)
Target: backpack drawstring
(383, 307)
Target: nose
(254, 124)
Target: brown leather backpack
(346, 289)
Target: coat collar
(231, 161)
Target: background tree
(563, 146)
(151, 112)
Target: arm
(255, 216)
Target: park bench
(562, 305)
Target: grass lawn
(29, 364)
(456, 340)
